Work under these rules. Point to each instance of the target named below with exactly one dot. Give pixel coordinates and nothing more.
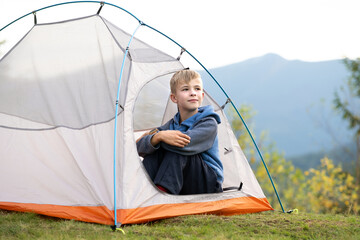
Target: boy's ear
(173, 98)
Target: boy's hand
(171, 137)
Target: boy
(182, 156)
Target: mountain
(292, 99)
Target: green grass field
(266, 225)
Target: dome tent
(65, 90)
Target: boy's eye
(185, 89)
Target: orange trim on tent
(95, 214)
(102, 215)
(232, 206)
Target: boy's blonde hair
(182, 76)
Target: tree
(347, 103)
(326, 189)
(240, 132)
(331, 190)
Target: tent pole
(58, 4)
(115, 126)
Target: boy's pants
(181, 174)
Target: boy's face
(188, 96)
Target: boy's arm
(171, 137)
(202, 137)
(143, 145)
(149, 142)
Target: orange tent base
(232, 206)
(102, 215)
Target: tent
(74, 96)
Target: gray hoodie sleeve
(202, 136)
(145, 147)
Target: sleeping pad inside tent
(58, 92)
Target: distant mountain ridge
(293, 99)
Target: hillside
(343, 155)
(293, 100)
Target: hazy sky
(220, 32)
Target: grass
(266, 225)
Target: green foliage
(329, 189)
(326, 189)
(347, 102)
(287, 179)
(241, 133)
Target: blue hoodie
(202, 129)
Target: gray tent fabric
(74, 87)
(58, 90)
